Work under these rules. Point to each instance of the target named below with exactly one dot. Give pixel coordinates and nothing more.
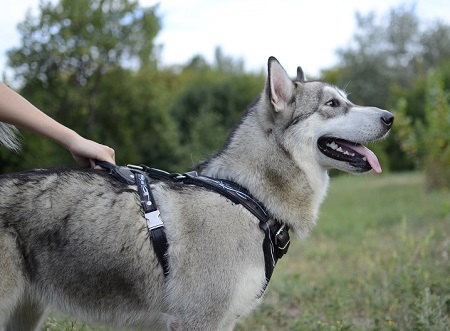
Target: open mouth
(355, 154)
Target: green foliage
(133, 117)
(427, 139)
(210, 101)
(83, 39)
(429, 311)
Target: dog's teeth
(340, 149)
(364, 158)
(332, 145)
(346, 153)
(352, 154)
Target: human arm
(16, 110)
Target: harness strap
(154, 223)
(276, 234)
(155, 226)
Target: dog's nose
(387, 119)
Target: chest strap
(133, 175)
(155, 225)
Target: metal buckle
(132, 166)
(280, 236)
(153, 220)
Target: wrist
(67, 138)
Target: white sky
(297, 32)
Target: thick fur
(76, 240)
(8, 137)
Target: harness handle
(123, 174)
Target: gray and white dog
(77, 240)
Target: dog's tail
(9, 137)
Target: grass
(378, 260)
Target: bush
(428, 140)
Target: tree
(391, 51)
(74, 43)
(84, 39)
(427, 139)
(89, 64)
(210, 101)
(383, 52)
(435, 42)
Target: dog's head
(318, 119)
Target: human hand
(86, 151)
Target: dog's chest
(249, 292)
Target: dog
(77, 239)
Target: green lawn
(378, 260)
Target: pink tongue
(371, 157)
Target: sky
(296, 32)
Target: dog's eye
(333, 103)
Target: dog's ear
(280, 86)
(300, 75)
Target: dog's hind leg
(12, 278)
(17, 312)
(27, 316)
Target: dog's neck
(253, 159)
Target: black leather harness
(276, 234)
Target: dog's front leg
(205, 308)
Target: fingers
(93, 165)
(86, 151)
